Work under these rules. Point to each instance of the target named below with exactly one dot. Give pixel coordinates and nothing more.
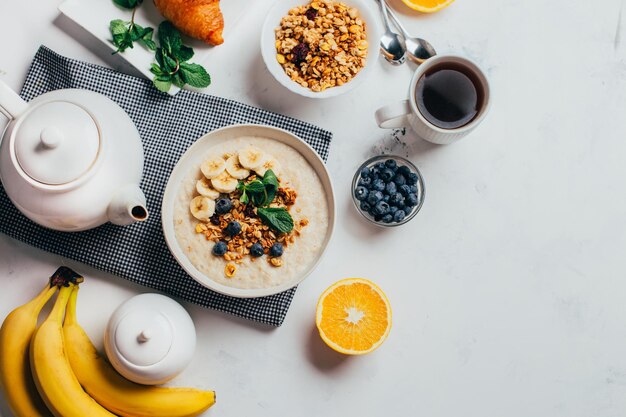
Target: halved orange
(353, 316)
(427, 6)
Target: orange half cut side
(427, 6)
(353, 316)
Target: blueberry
(223, 206)
(404, 189)
(393, 209)
(404, 170)
(365, 206)
(378, 217)
(387, 218)
(256, 250)
(411, 179)
(365, 172)
(414, 189)
(411, 200)
(374, 197)
(396, 199)
(365, 182)
(398, 216)
(381, 208)
(378, 184)
(379, 166)
(219, 249)
(361, 193)
(386, 198)
(399, 179)
(407, 210)
(232, 229)
(391, 164)
(386, 174)
(391, 188)
(276, 250)
(372, 213)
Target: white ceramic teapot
(71, 160)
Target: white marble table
(508, 288)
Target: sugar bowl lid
(150, 339)
(56, 142)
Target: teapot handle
(11, 105)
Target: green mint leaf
(277, 218)
(127, 4)
(118, 27)
(183, 53)
(162, 83)
(255, 186)
(169, 37)
(146, 39)
(178, 80)
(156, 70)
(195, 75)
(258, 199)
(244, 197)
(270, 180)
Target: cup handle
(393, 115)
(11, 105)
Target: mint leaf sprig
(171, 62)
(261, 193)
(125, 34)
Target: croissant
(200, 19)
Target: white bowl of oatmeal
(321, 48)
(198, 221)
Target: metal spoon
(419, 50)
(391, 45)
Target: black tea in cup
(449, 95)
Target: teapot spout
(128, 206)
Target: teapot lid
(56, 142)
(144, 337)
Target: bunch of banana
(221, 174)
(15, 337)
(67, 372)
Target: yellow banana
(55, 381)
(117, 394)
(15, 377)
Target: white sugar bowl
(150, 339)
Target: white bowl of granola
(248, 210)
(323, 48)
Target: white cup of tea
(448, 98)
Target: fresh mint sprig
(171, 66)
(125, 34)
(261, 193)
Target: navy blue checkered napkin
(168, 126)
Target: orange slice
(353, 316)
(427, 6)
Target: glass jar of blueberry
(388, 190)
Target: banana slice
(204, 188)
(224, 183)
(251, 157)
(213, 166)
(234, 168)
(269, 163)
(202, 208)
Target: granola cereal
(322, 44)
